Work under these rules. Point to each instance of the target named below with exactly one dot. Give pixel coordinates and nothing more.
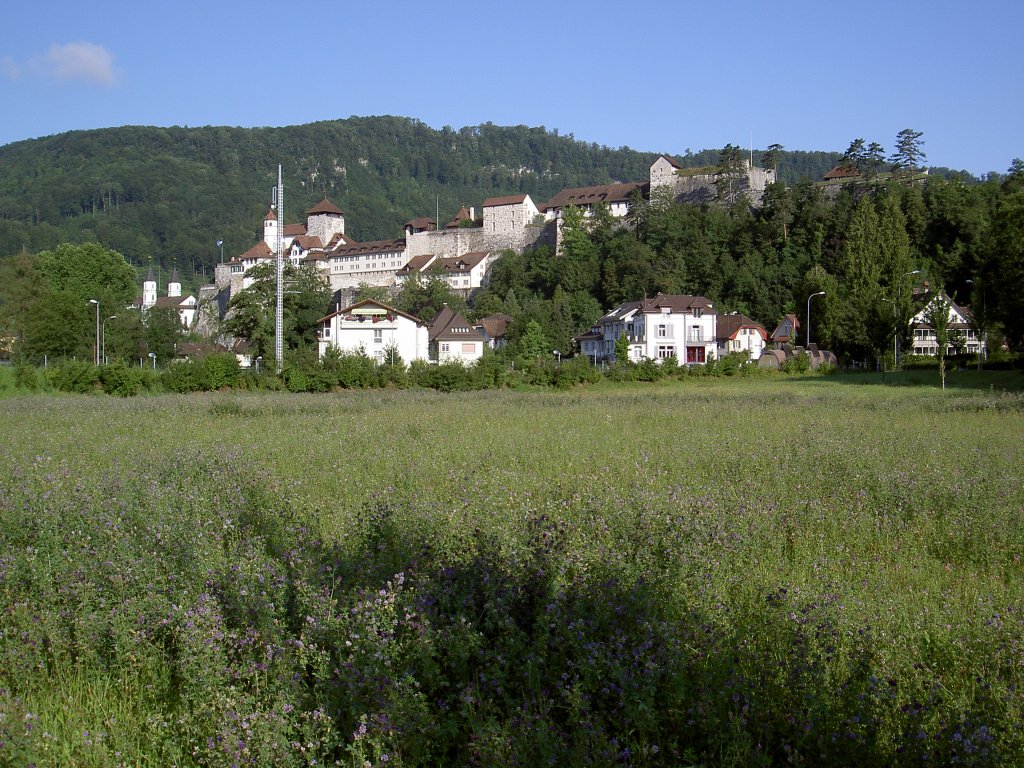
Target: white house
(373, 262)
(373, 327)
(452, 337)
(961, 324)
(679, 326)
(463, 274)
(616, 196)
(738, 333)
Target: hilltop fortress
(463, 249)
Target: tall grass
(726, 573)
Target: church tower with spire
(174, 286)
(149, 289)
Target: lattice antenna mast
(279, 313)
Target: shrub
(181, 377)
(74, 376)
(26, 377)
(219, 370)
(118, 379)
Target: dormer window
(697, 311)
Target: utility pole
(279, 315)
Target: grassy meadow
(707, 572)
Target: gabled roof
(370, 247)
(671, 161)
(176, 302)
(843, 172)
(495, 326)
(922, 299)
(417, 263)
(603, 193)
(622, 312)
(450, 325)
(372, 304)
(422, 224)
(341, 239)
(259, 251)
(325, 206)
(493, 202)
(779, 334)
(306, 242)
(675, 303)
(728, 326)
(462, 215)
(464, 263)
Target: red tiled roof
(675, 303)
(728, 326)
(492, 202)
(843, 172)
(603, 193)
(308, 241)
(371, 246)
(450, 325)
(462, 215)
(325, 206)
(495, 326)
(259, 251)
(463, 263)
(294, 230)
(418, 263)
(422, 223)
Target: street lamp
(152, 356)
(819, 293)
(558, 355)
(982, 341)
(220, 244)
(258, 363)
(899, 297)
(895, 330)
(97, 303)
(103, 337)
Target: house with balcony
(962, 332)
(680, 326)
(372, 327)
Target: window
(327, 331)
(444, 347)
(697, 312)
(378, 336)
(666, 351)
(663, 332)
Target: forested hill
(170, 193)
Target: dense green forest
(170, 193)
(869, 249)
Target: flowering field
(688, 573)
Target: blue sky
(652, 75)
